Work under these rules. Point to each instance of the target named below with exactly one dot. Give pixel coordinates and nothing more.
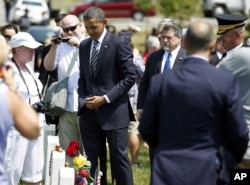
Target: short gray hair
(172, 25)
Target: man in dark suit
(190, 112)
(105, 82)
(170, 36)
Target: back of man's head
(199, 37)
(152, 43)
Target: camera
(59, 39)
(39, 107)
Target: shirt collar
(174, 53)
(232, 50)
(100, 39)
(197, 56)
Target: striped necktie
(94, 58)
(167, 64)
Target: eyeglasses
(7, 36)
(72, 28)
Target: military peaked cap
(229, 21)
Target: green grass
(141, 174)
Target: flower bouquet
(81, 164)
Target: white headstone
(51, 143)
(57, 161)
(66, 176)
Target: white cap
(134, 28)
(23, 39)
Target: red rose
(72, 149)
(83, 173)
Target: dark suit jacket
(115, 75)
(189, 113)
(153, 66)
(214, 59)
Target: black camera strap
(37, 88)
(19, 70)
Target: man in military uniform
(231, 29)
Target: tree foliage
(145, 4)
(179, 8)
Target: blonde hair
(3, 50)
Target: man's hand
(94, 102)
(139, 114)
(74, 41)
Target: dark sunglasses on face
(72, 28)
(7, 36)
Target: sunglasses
(7, 36)
(72, 28)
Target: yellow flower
(79, 161)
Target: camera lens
(39, 107)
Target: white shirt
(31, 95)
(100, 39)
(64, 54)
(174, 54)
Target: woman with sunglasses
(7, 31)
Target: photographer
(24, 158)
(48, 77)
(60, 56)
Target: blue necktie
(94, 57)
(167, 64)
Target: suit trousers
(94, 140)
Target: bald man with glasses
(59, 56)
